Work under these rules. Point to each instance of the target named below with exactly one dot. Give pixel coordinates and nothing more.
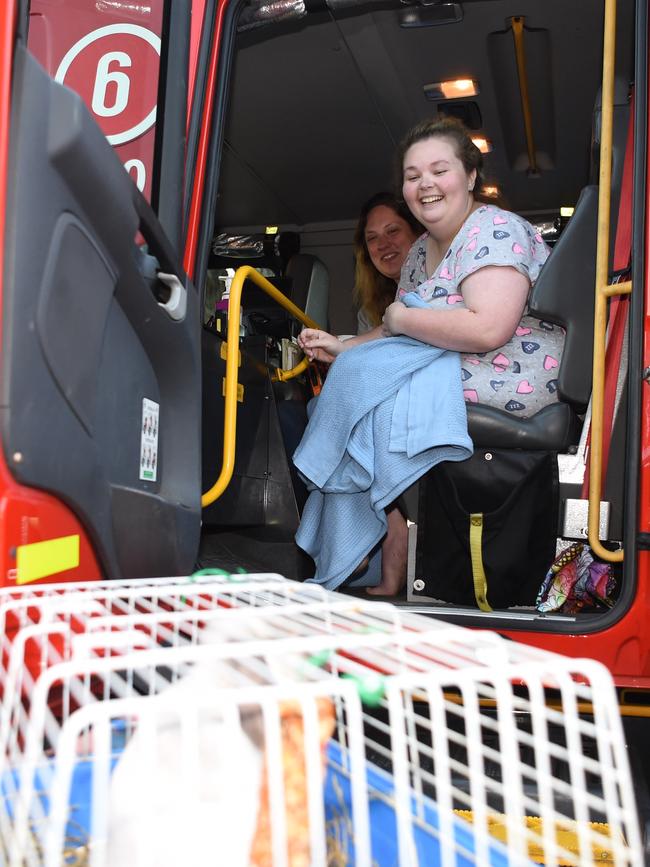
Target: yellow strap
(476, 553)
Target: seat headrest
(564, 294)
(310, 286)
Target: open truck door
(100, 470)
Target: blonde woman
(385, 233)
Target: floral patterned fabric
(576, 581)
(520, 377)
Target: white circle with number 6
(110, 70)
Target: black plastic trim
(636, 330)
(216, 142)
(22, 20)
(196, 114)
(169, 149)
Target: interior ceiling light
(271, 230)
(566, 211)
(421, 14)
(490, 191)
(482, 143)
(456, 88)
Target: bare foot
(394, 552)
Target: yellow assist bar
(603, 289)
(230, 403)
(520, 55)
(284, 375)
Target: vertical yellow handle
(246, 272)
(603, 290)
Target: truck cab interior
(310, 102)
(315, 108)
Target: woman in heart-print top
(520, 376)
(465, 283)
(464, 286)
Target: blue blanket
(390, 410)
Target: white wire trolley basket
(249, 721)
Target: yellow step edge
(566, 836)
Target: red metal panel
(198, 12)
(28, 516)
(624, 648)
(644, 504)
(110, 55)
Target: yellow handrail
(603, 290)
(246, 272)
(520, 54)
(283, 375)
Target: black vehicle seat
(310, 286)
(619, 140)
(564, 295)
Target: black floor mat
(232, 551)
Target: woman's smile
(388, 239)
(436, 186)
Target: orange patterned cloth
(295, 786)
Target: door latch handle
(176, 305)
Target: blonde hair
(373, 292)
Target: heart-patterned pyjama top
(520, 377)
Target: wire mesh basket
(249, 720)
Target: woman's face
(436, 186)
(388, 239)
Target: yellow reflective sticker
(41, 559)
(224, 353)
(240, 390)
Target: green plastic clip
(371, 687)
(239, 572)
(319, 659)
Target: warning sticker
(149, 440)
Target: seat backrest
(621, 113)
(310, 286)
(564, 294)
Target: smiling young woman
(438, 191)
(473, 270)
(464, 288)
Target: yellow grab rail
(603, 290)
(283, 375)
(246, 272)
(520, 55)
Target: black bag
(487, 528)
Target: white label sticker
(149, 440)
